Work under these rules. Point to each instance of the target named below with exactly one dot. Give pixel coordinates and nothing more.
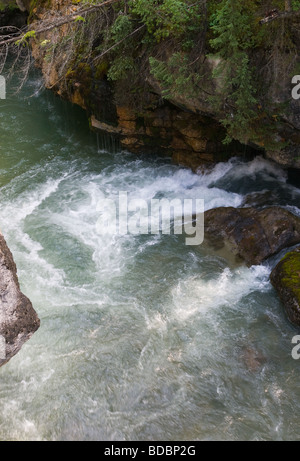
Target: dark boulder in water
(18, 319)
(252, 235)
(286, 280)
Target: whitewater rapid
(142, 337)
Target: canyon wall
(187, 129)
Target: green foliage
(120, 68)
(79, 19)
(118, 39)
(121, 28)
(296, 5)
(175, 76)
(24, 40)
(234, 29)
(174, 39)
(240, 94)
(178, 20)
(166, 17)
(44, 43)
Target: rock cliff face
(188, 129)
(190, 139)
(188, 134)
(18, 320)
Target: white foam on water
(27, 250)
(157, 322)
(26, 202)
(18, 427)
(196, 297)
(184, 184)
(236, 169)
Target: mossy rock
(286, 280)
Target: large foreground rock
(18, 320)
(286, 280)
(252, 235)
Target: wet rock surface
(18, 320)
(190, 139)
(252, 235)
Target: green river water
(142, 337)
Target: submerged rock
(252, 235)
(18, 320)
(253, 359)
(286, 280)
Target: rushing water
(141, 337)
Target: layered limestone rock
(190, 139)
(18, 320)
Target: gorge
(143, 337)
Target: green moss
(101, 70)
(290, 266)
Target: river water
(142, 337)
